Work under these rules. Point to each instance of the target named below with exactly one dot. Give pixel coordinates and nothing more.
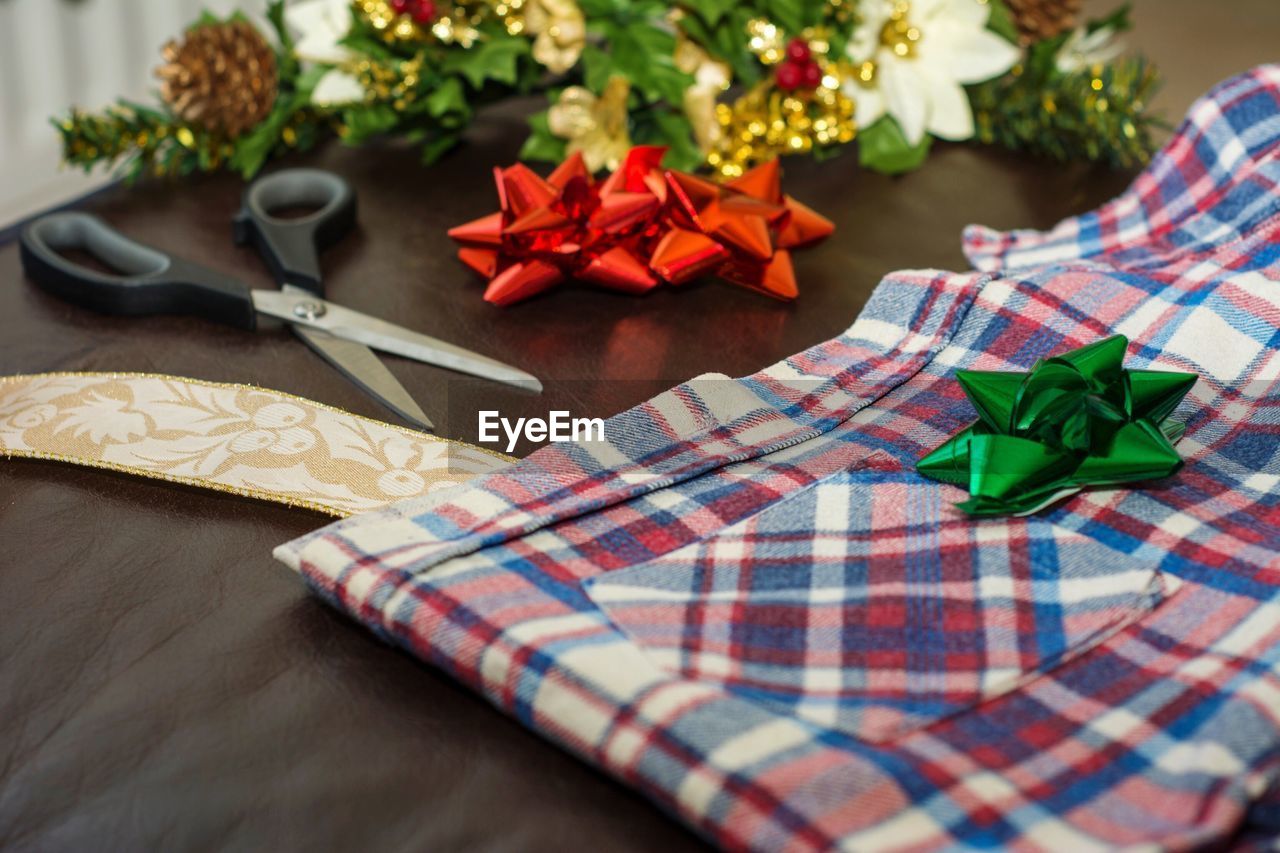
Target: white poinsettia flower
(1084, 49)
(912, 59)
(319, 25)
(337, 88)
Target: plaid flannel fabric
(747, 604)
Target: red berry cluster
(798, 70)
(422, 11)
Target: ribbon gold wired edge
(260, 494)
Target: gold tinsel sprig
(765, 39)
(150, 141)
(457, 23)
(767, 122)
(393, 82)
(153, 142)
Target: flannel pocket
(868, 604)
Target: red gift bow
(635, 228)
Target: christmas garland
(721, 84)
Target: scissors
(147, 281)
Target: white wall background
(56, 53)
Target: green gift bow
(1075, 420)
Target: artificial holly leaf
(541, 144)
(287, 65)
(306, 82)
(602, 8)
(789, 15)
(494, 59)
(712, 11)
(597, 68)
(435, 148)
(207, 18)
(823, 153)
(364, 40)
(1118, 20)
(712, 38)
(672, 131)
(793, 16)
(361, 122)
(644, 55)
(1001, 21)
(448, 103)
(883, 148)
(253, 149)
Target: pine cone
(221, 77)
(1042, 19)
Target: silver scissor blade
(358, 363)
(314, 313)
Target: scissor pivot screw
(308, 310)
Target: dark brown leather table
(165, 684)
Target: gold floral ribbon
(232, 438)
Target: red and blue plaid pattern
(869, 621)
(747, 604)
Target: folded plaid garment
(747, 604)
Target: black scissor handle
(291, 247)
(145, 281)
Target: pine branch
(141, 138)
(1099, 115)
